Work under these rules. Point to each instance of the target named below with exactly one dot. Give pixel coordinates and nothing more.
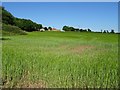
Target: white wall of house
(42, 30)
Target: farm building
(62, 30)
(54, 29)
(42, 30)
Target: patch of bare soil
(38, 84)
(25, 83)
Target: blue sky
(93, 15)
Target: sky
(60, 0)
(93, 15)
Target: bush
(12, 30)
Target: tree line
(29, 25)
(68, 28)
(24, 24)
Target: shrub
(12, 30)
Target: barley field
(60, 60)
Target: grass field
(60, 59)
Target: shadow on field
(5, 39)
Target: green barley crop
(56, 59)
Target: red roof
(54, 29)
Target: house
(54, 29)
(62, 30)
(42, 30)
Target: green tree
(104, 31)
(71, 29)
(49, 28)
(89, 30)
(7, 17)
(27, 24)
(107, 31)
(112, 31)
(66, 28)
(45, 28)
(81, 30)
(24, 24)
(77, 29)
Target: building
(42, 30)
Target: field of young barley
(57, 59)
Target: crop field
(60, 60)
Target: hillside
(14, 26)
(7, 24)
(12, 30)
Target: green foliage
(83, 30)
(67, 28)
(77, 29)
(24, 24)
(104, 31)
(0, 14)
(112, 31)
(89, 30)
(50, 28)
(27, 25)
(71, 29)
(45, 28)
(4, 38)
(61, 60)
(7, 17)
(12, 30)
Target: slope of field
(11, 30)
(57, 59)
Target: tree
(112, 31)
(84, 30)
(49, 28)
(104, 31)
(24, 24)
(89, 30)
(27, 24)
(81, 30)
(7, 17)
(77, 29)
(38, 26)
(71, 29)
(45, 28)
(66, 28)
(107, 31)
